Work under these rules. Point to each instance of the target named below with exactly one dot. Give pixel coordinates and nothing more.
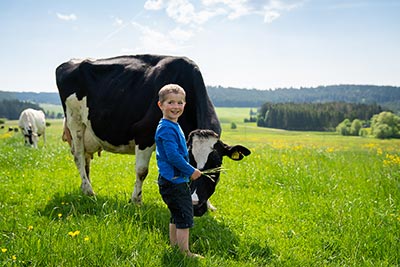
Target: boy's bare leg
(182, 238)
(172, 234)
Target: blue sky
(262, 44)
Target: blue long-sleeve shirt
(171, 152)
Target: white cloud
(69, 17)
(159, 42)
(237, 8)
(118, 22)
(181, 35)
(153, 4)
(188, 12)
(271, 15)
(274, 8)
(182, 11)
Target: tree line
(388, 97)
(313, 116)
(383, 125)
(11, 109)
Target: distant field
(52, 108)
(237, 115)
(300, 199)
(224, 114)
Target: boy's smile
(173, 106)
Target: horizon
(255, 44)
(281, 88)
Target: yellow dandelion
(73, 234)
(370, 145)
(86, 238)
(330, 150)
(59, 215)
(297, 147)
(14, 258)
(30, 228)
(4, 250)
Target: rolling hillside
(385, 96)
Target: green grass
(236, 115)
(52, 108)
(300, 199)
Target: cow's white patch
(195, 198)
(201, 148)
(77, 120)
(142, 168)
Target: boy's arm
(177, 160)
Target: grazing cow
(111, 104)
(205, 152)
(32, 124)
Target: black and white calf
(206, 151)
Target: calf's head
(206, 151)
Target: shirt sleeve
(174, 156)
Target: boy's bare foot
(193, 255)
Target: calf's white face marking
(201, 148)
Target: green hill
(386, 96)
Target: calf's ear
(237, 152)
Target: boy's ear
(159, 104)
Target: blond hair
(170, 89)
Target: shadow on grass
(208, 237)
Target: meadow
(300, 199)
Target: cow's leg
(210, 206)
(35, 140)
(77, 130)
(142, 169)
(88, 158)
(82, 162)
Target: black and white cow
(111, 104)
(206, 151)
(32, 123)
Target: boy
(175, 171)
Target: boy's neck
(174, 121)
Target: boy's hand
(195, 175)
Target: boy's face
(172, 107)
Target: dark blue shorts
(179, 202)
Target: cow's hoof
(210, 206)
(87, 191)
(136, 201)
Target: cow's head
(206, 151)
(28, 134)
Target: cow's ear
(237, 152)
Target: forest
(11, 109)
(313, 116)
(386, 97)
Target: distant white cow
(33, 124)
